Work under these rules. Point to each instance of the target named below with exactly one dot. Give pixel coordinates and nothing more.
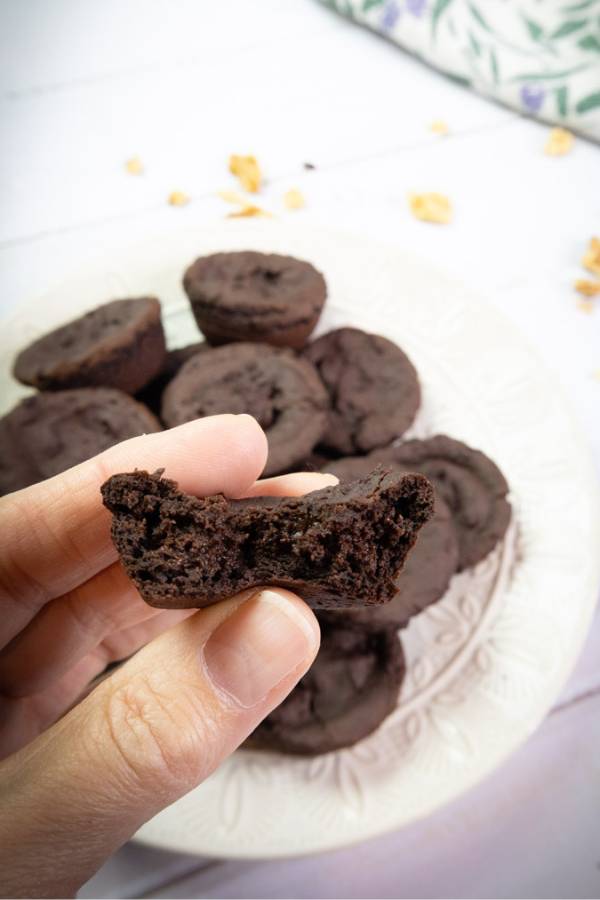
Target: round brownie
(471, 484)
(151, 394)
(50, 432)
(120, 345)
(351, 687)
(428, 568)
(281, 391)
(373, 386)
(250, 296)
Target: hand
(81, 775)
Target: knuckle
(157, 738)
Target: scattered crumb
(591, 260)
(293, 199)
(439, 127)
(310, 166)
(247, 170)
(560, 141)
(233, 197)
(596, 374)
(134, 166)
(587, 288)
(178, 198)
(585, 305)
(248, 211)
(431, 208)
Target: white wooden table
(184, 83)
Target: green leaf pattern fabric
(541, 57)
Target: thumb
(145, 736)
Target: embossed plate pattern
(484, 664)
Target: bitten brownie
(250, 296)
(349, 690)
(336, 547)
(471, 484)
(50, 432)
(281, 391)
(373, 387)
(120, 345)
(429, 567)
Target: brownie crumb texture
(342, 546)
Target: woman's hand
(81, 775)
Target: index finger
(56, 534)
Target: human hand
(79, 776)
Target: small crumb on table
(439, 127)
(134, 166)
(431, 207)
(560, 142)
(178, 198)
(591, 259)
(293, 199)
(246, 168)
(587, 288)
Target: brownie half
(351, 687)
(341, 546)
(120, 344)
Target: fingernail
(265, 639)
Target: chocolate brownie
(349, 690)
(250, 296)
(471, 484)
(373, 387)
(151, 395)
(120, 345)
(429, 567)
(282, 391)
(50, 432)
(339, 546)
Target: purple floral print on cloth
(540, 57)
(390, 15)
(532, 97)
(416, 7)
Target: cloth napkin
(541, 57)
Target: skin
(87, 759)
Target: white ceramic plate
(485, 664)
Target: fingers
(148, 734)
(295, 485)
(105, 604)
(56, 534)
(24, 718)
(70, 627)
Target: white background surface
(85, 85)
